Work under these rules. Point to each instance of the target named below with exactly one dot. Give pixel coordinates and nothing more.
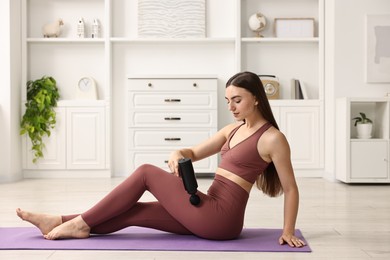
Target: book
(292, 84)
(298, 89)
(303, 90)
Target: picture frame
(294, 27)
(377, 48)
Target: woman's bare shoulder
(273, 138)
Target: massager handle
(187, 173)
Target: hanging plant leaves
(40, 117)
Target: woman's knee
(146, 170)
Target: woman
(252, 149)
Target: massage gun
(186, 172)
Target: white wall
(329, 134)
(10, 75)
(345, 61)
(350, 43)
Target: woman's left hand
(173, 162)
(291, 240)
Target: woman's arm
(281, 157)
(205, 149)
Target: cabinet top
(173, 76)
(365, 99)
(81, 103)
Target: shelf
(367, 99)
(362, 160)
(173, 76)
(273, 39)
(81, 103)
(229, 46)
(65, 40)
(172, 40)
(295, 102)
(374, 139)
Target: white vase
(364, 130)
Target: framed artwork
(171, 18)
(378, 48)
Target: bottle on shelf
(81, 28)
(95, 28)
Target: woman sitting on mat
(252, 149)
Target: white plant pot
(364, 130)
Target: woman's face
(240, 101)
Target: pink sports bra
(244, 159)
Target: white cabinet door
(55, 145)
(300, 126)
(369, 160)
(85, 138)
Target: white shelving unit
(229, 46)
(362, 160)
(288, 58)
(80, 144)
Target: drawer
(188, 84)
(160, 159)
(147, 100)
(158, 139)
(173, 119)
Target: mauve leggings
(219, 216)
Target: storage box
(294, 27)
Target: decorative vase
(364, 130)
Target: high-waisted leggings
(220, 214)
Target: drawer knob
(194, 84)
(172, 100)
(150, 84)
(172, 139)
(172, 118)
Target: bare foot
(74, 228)
(44, 222)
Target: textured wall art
(171, 18)
(378, 48)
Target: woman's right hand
(173, 162)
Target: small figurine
(95, 29)
(52, 29)
(81, 28)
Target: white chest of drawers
(166, 113)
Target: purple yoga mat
(136, 238)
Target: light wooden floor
(340, 221)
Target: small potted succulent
(363, 126)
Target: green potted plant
(39, 117)
(363, 126)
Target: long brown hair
(268, 181)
